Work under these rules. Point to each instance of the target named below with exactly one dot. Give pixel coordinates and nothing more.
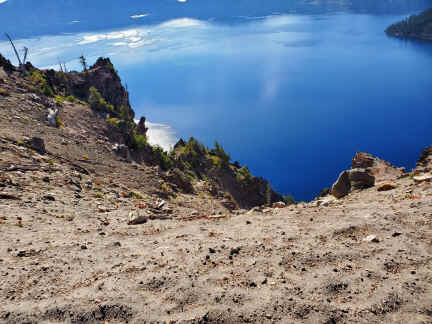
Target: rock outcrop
(424, 163)
(380, 169)
(101, 76)
(141, 128)
(99, 94)
(366, 170)
(6, 64)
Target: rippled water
(291, 88)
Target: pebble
(371, 238)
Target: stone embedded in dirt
(136, 219)
(371, 238)
(386, 186)
(342, 186)
(160, 204)
(235, 251)
(8, 196)
(37, 144)
(360, 179)
(48, 197)
(423, 178)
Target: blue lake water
(291, 88)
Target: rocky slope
(95, 102)
(92, 235)
(416, 27)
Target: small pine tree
(220, 152)
(83, 62)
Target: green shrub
(4, 93)
(138, 141)
(75, 100)
(40, 81)
(47, 91)
(98, 103)
(163, 159)
(59, 99)
(124, 113)
(59, 122)
(223, 156)
(112, 121)
(192, 154)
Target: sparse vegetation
(139, 141)
(75, 100)
(223, 157)
(112, 121)
(59, 122)
(4, 93)
(164, 187)
(244, 175)
(164, 160)
(59, 99)
(40, 81)
(98, 103)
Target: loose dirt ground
(67, 254)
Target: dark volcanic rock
(141, 129)
(342, 186)
(360, 179)
(37, 144)
(424, 163)
(6, 64)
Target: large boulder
(380, 169)
(360, 179)
(352, 179)
(342, 186)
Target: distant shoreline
(414, 27)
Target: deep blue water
(291, 88)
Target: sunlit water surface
(293, 92)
